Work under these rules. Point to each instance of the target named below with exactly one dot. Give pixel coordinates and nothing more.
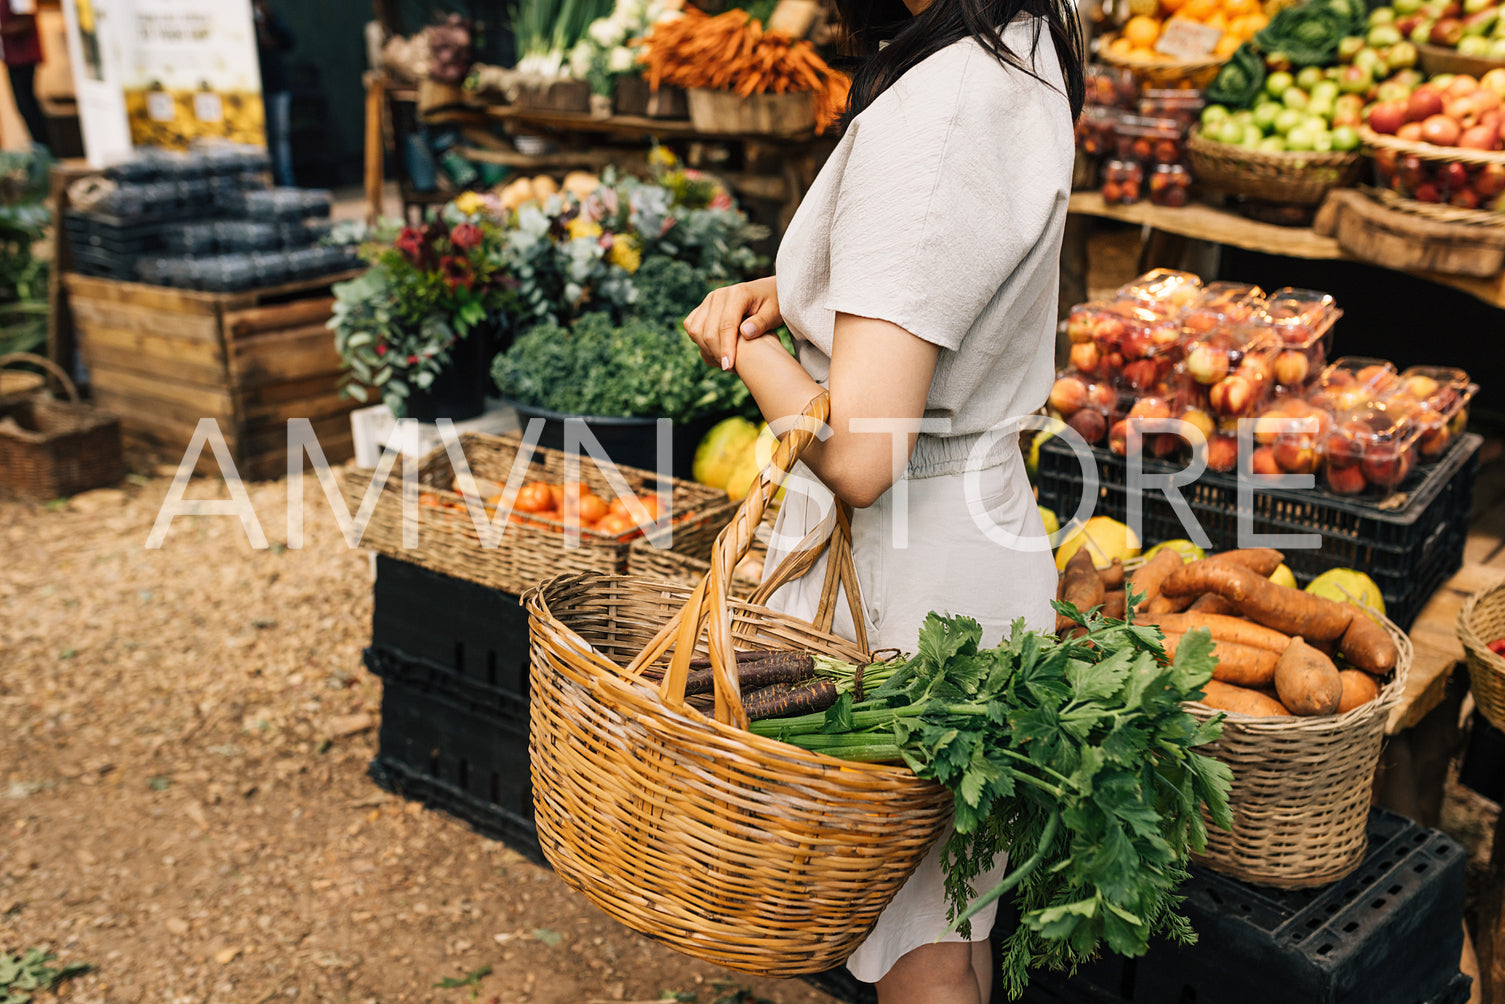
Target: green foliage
(24, 220)
(23, 975)
(1240, 80)
(1075, 757)
(471, 979)
(601, 368)
(1309, 33)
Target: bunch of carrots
(733, 52)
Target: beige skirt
(948, 544)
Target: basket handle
(708, 610)
(52, 368)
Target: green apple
(1272, 144)
(1322, 108)
(1497, 49)
(1278, 83)
(1404, 7)
(1322, 141)
(1229, 132)
(1213, 115)
(1288, 119)
(1252, 135)
(1325, 88)
(1476, 6)
(1422, 33)
(1382, 35)
(1243, 116)
(1401, 56)
(1300, 139)
(1309, 77)
(1476, 46)
(1356, 79)
(1265, 113)
(1381, 15)
(1346, 138)
(1373, 62)
(1390, 90)
(1294, 97)
(1348, 47)
(1314, 123)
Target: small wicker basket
(51, 448)
(1301, 788)
(1291, 178)
(1167, 73)
(1481, 621)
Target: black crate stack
(453, 660)
(203, 220)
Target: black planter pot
(630, 442)
(459, 390)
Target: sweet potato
(1223, 628)
(1307, 680)
(1148, 577)
(1115, 604)
(1359, 688)
(1287, 610)
(1263, 560)
(1082, 586)
(1211, 603)
(1367, 645)
(1243, 665)
(1242, 701)
(1112, 576)
(1164, 604)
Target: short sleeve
(952, 178)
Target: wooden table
(1220, 226)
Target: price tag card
(160, 106)
(1185, 39)
(794, 17)
(207, 107)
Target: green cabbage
(1309, 34)
(1240, 80)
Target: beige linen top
(942, 211)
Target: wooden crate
(164, 358)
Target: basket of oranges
(514, 514)
(1154, 41)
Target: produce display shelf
(1409, 549)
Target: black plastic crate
(478, 633)
(1409, 550)
(458, 747)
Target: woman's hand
(748, 309)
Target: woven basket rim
(1168, 64)
(1464, 627)
(1438, 212)
(615, 676)
(1429, 151)
(1281, 725)
(1285, 160)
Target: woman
(919, 278)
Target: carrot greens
(1074, 756)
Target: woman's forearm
(880, 376)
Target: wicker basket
(1438, 59)
(735, 849)
(1435, 210)
(1301, 788)
(528, 550)
(1299, 178)
(649, 559)
(1168, 73)
(51, 448)
(1481, 621)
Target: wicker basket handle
(708, 610)
(52, 368)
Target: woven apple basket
(1301, 787)
(1481, 621)
(732, 848)
(1191, 74)
(1294, 178)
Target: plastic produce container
(1351, 382)
(1370, 449)
(1123, 182)
(1435, 400)
(1133, 344)
(1090, 406)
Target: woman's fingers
(727, 315)
(763, 320)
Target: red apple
(1423, 103)
(1165, 444)
(1384, 464)
(1460, 85)
(1297, 454)
(1103, 397)
(1149, 407)
(1439, 130)
(1207, 363)
(1090, 424)
(1086, 356)
(1135, 343)
(1118, 437)
(1479, 137)
(1388, 116)
(1068, 395)
(1262, 461)
(1222, 453)
(1453, 176)
(1410, 132)
(1345, 480)
(1141, 374)
(1427, 193)
(1464, 199)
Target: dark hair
(913, 38)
